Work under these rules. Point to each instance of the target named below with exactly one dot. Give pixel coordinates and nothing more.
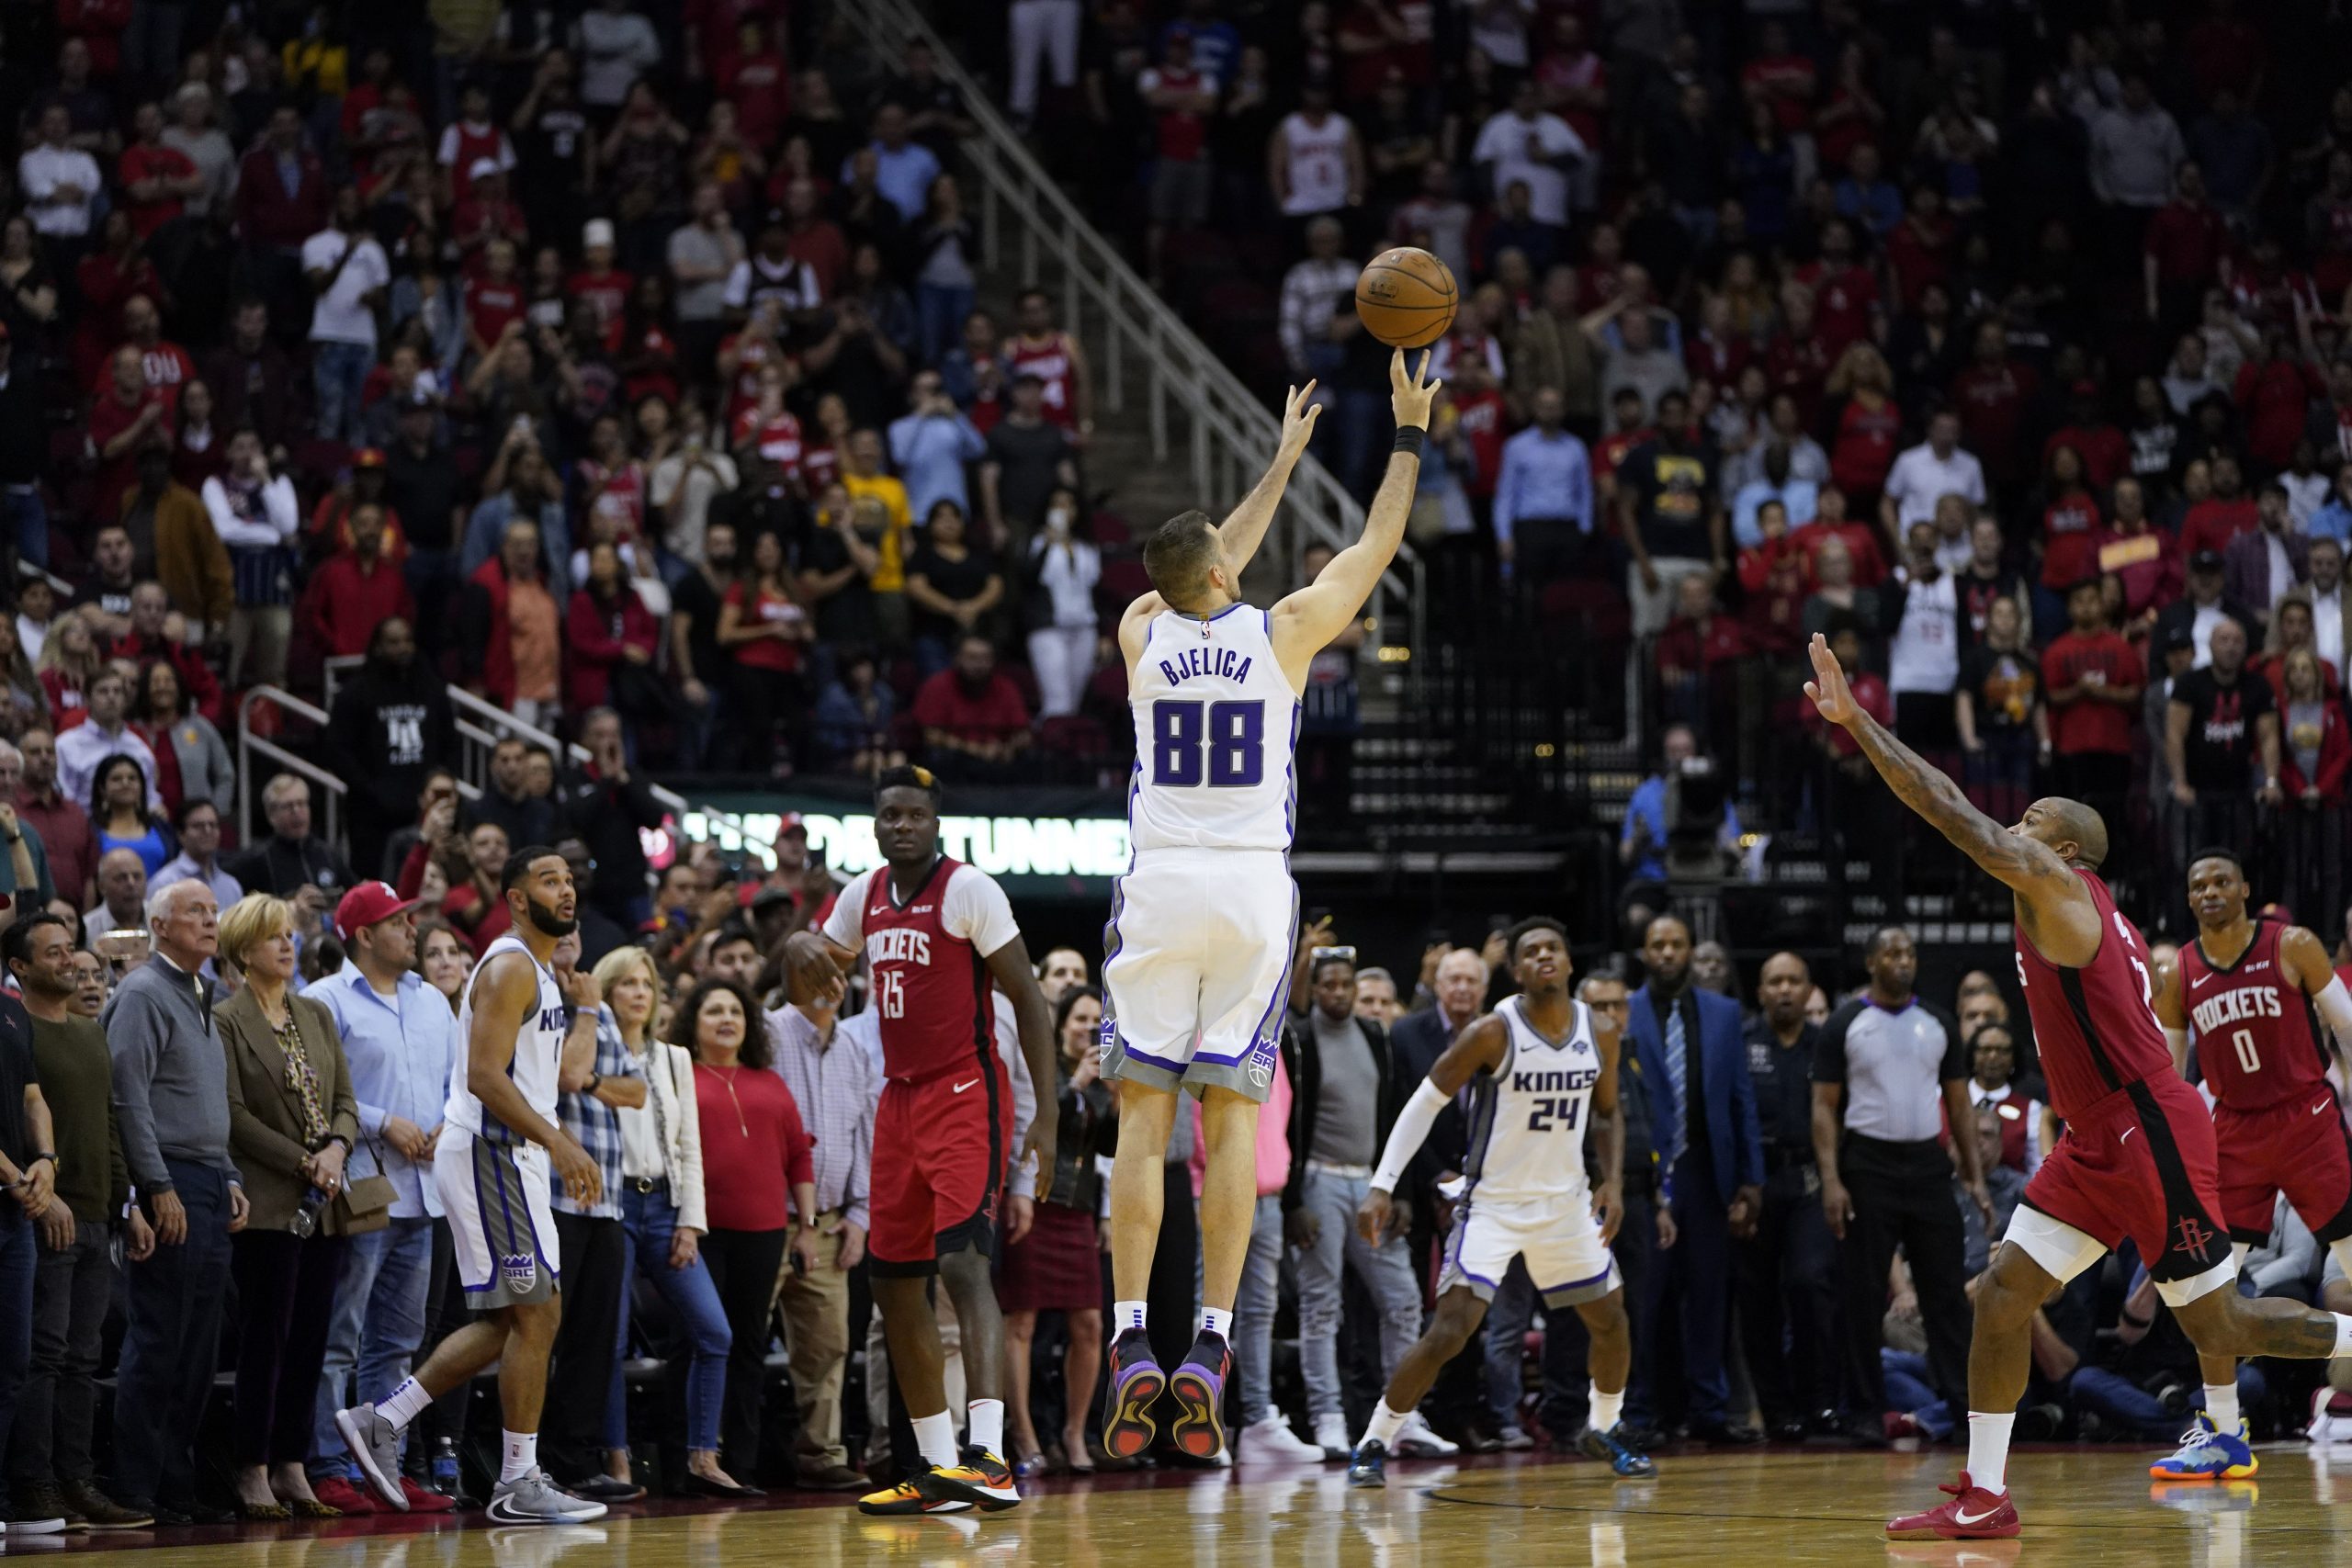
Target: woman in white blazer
(662, 1221)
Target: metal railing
(250, 746)
(1107, 305)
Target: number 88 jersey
(2252, 1025)
(1216, 731)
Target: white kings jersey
(1527, 1117)
(1217, 734)
(539, 1051)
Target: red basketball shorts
(2296, 1146)
(941, 1148)
(2141, 1163)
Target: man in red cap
(798, 874)
(402, 1043)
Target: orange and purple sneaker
(1973, 1514)
(1198, 1388)
(1136, 1382)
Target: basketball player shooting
(2137, 1158)
(1204, 923)
(1541, 1068)
(2244, 992)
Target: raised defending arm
(1245, 526)
(1306, 620)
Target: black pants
(1903, 1197)
(743, 1265)
(171, 1344)
(285, 1299)
(1787, 1275)
(1567, 1347)
(580, 1367)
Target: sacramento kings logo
(1261, 1062)
(521, 1271)
(1110, 1032)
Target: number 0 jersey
(2252, 1025)
(1527, 1117)
(928, 956)
(1217, 730)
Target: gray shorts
(502, 1223)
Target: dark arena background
(435, 428)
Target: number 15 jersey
(1217, 731)
(928, 956)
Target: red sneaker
(1973, 1514)
(340, 1492)
(421, 1501)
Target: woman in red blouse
(606, 627)
(1869, 426)
(754, 1151)
(762, 625)
(2071, 534)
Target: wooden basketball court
(2084, 1508)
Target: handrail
(250, 745)
(1233, 435)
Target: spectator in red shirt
(2144, 560)
(2314, 753)
(2213, 523)
(2071, 526)
(1797, 360)
(157, 178)
(1870, 694)
(1861, 540)
(606, 627)
(1574, 78)
(1991, 395)
(147, 642)
(1869, 426)
(2105, 450)
(166, 366)
(1919, 250)
(604, 287)
(282, 196)
(754, 78)
(1781, 76)
(2091, 679)
(356, 590)
(108, 279)
(2187, 247)
(128, 415)
(487, 213)
(975, 725)
(1693, 654)
(1845, 294)
(2273, 393)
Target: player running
(2137, 1158)
(1533, 1065)
(936, 932)
(499, 1136)
(2244, 992)
(1204, 923)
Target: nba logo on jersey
(520, 1269)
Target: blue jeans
(381, 1306)
(338, 372)
(170, 1344)
(24, 517)
(1908, 1388)
(1387, 1271)
(648, 1220)
(1253, 1310)
(19, 1252)
(941, 311)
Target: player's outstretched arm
(2052, 896)
(1244, 528)
(1306, 620)
(1481, 1043)
(2307, 965)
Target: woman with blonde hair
(292, 1122)
(664, 1219)
(69, 662)
(1869, 425)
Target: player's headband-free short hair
(2216, 851)
(1534, 923)
(518, 865)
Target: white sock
(405, 1404)
(2221, 1407)
(1125, 1315)
(987, 1430)
(1988, 1449)
(1607, 1408)
(518, 1455)
(1218, 1321)
(1385, 1425)
(935, 1437)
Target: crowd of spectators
(633, 355)
(1791, 318)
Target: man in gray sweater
(171, 1091)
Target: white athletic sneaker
(27, 1529)
(1415, 1441)
(532, 1499)
(1331, 1437)
(376, 1450)
(1271, 1441)
(1515, 1439)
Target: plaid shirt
(836, 1090)
(597, 1125)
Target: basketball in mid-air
(1406, 298)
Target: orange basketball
(1406, 298)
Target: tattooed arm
(2053, 906)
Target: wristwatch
(593, 1079)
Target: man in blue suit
(1694, 1066)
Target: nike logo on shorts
(2127, 1132)
(962, 1087)
(2322, 1105)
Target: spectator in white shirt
(616, 46)
(2330, 603)
(1525, 142)
(1927, 473)
(1311, 292)
(81, 749)
(60, 181)
(348, 274)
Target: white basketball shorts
(1566, 1259)
(1196, 968)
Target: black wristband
(1408, 439)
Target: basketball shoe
(1135, 1382)
(1198, 1388)
(1973, 1514)
(908, 1499)
(1369, 1467)
(2209, 1454)
(1611, 1449)
(979, 1478)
